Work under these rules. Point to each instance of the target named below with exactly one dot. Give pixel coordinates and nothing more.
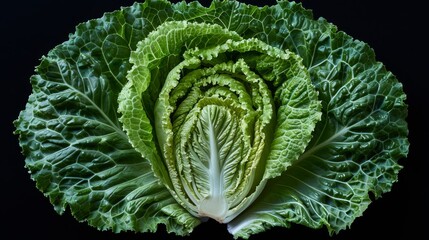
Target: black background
(394, 29)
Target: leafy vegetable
(172, 113)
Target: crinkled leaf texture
(80, 156)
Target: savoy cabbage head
(163, 113)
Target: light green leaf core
(218, 134)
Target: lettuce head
(256, 117)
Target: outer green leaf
(75, 147)
(357, 145)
